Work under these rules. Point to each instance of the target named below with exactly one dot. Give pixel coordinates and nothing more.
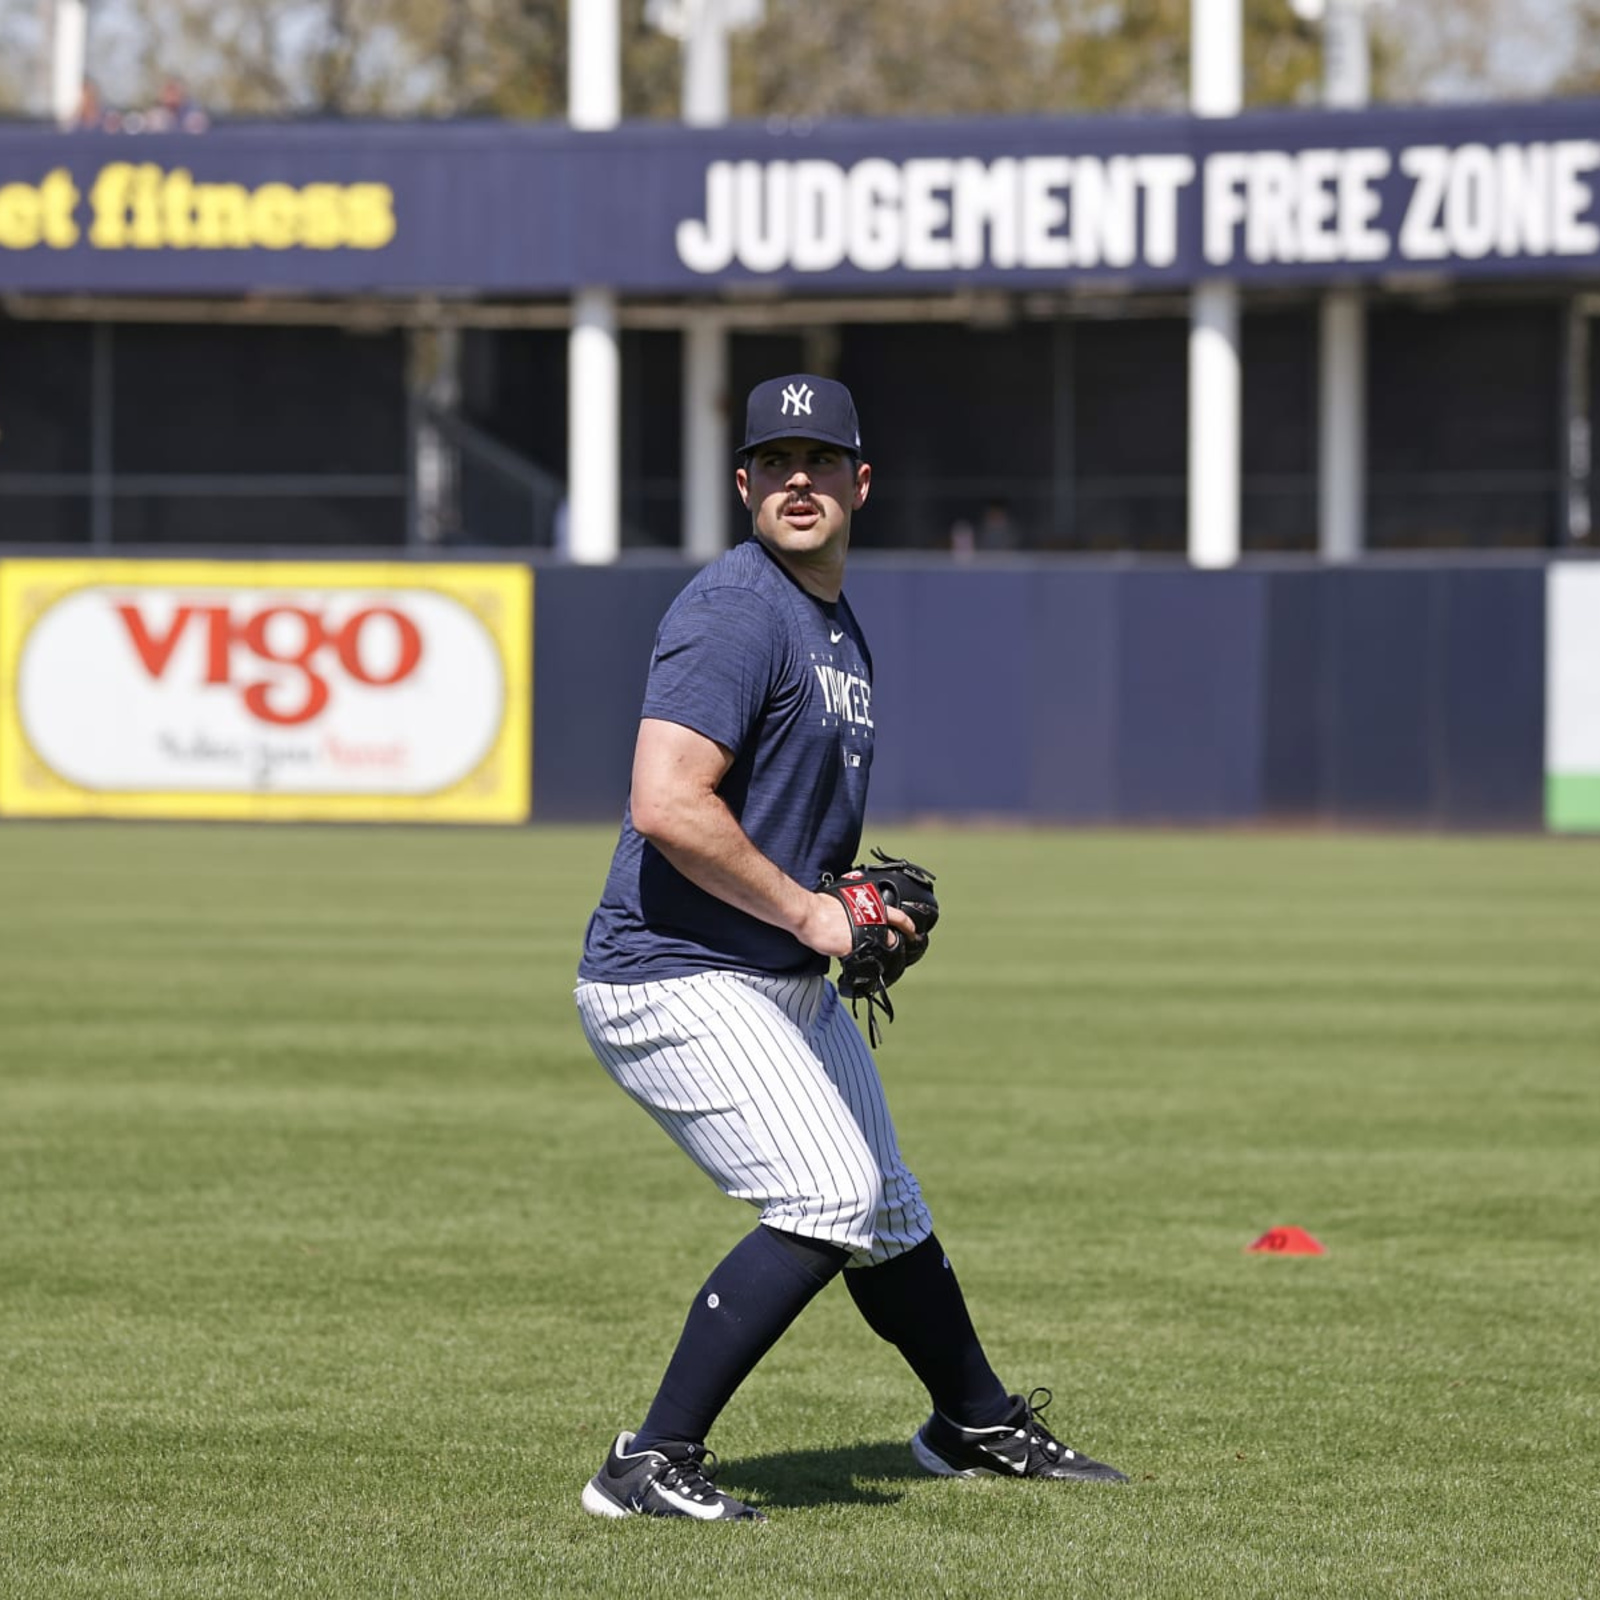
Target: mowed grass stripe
(329, 1261)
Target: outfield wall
(1099, 695)
(1380, 694)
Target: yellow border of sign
(498, 791)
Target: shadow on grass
(850, 1475)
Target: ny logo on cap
(798, 397)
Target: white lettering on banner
(1421, 236)
(933, 214)
(819, 209)
(766, 245)
(872, 193)
(1314, 205)
(1359, 205)
(1517, 200)
(1107, 228)
(982, 209)
(1056, 213)
(1570, 195)
(154, 689)
(926, 208)
(1526, 222)
(1044, 212)
(1160, 178)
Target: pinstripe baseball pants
(769, 1088)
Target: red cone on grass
(1286, 1242)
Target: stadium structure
(375, 353)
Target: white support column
(1346, 55)
(707, 472)
(594, 413)
(1341, 426)
(1216, 36)
(594, 355)
(1216, 67)
(702, 27)
(707, 466)
(69, 45)
(705, 67)
(1214, 390)
(1342, 341)
(594, 64)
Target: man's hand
(829, 931)
(878, 902)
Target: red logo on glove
(864, 903)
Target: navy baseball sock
(915, 1303)
(756, 1291)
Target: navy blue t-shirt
(748, 658)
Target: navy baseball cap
(801, 406)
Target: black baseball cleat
(1020, 1447)
(674, 1481)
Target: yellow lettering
(20, 214)
(274, 213)
(146, 207)
(222, 216)
(322, 218)
(61, 199)
(109, 201)
(177, 209)
(369, 215)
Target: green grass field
(329, 1261)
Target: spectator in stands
(996, 531)
(175, 112)
(93, 115)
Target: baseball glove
(879, 953)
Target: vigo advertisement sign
(271, 690)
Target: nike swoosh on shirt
(833, 637)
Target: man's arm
(675, 805)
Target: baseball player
(703, 984)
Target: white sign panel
(1572, 697)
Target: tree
(930, 58)
(808, 59)
(1582, 73)
(21, 62)
(1479, 49)
(356, 57)
(975, 57)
